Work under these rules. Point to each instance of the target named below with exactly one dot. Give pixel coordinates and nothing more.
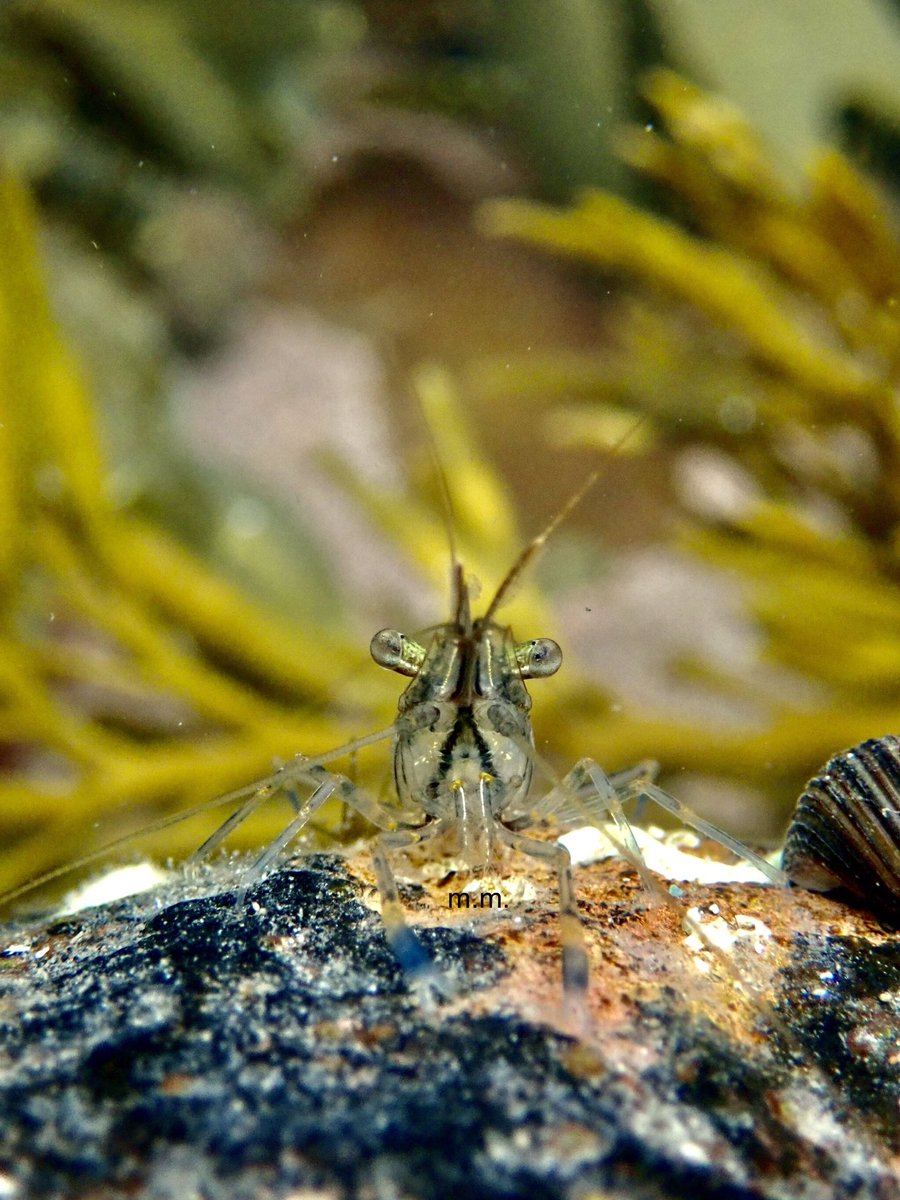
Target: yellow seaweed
(96, 596)
(611, 233)
(792, 299)
(109, 615)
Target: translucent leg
(228, 826)
(571, 798)
(588, 792)
(323, 784)
(261, 865)
(574, 954)
(412, 956)
(605, 801)
(304, 813)
(685, 814)
(327, 784)
(645, 771)
(249, 798)
(633, 779)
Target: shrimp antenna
(449, 512)
(457, 575)
(534, 547)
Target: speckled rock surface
(177, 1048)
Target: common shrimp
(464, 768)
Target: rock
(174, 1045)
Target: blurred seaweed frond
(135, 681)
(760, 329)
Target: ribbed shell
(845, 830)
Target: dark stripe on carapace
(465, 722)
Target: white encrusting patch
(115, 884)
(746, 931)
(661, 852)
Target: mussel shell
(845, 832)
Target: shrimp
(464, 762)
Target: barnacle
(769, 332)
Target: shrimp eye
(538, 658)
(397, 652)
